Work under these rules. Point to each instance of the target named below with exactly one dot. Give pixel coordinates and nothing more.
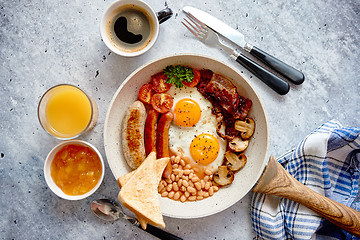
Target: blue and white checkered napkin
(328, 162)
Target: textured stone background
(44, 43)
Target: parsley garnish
(178, 74)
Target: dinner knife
(236, 37)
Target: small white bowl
(47, 172)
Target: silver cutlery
(236, 37)
(211, 38)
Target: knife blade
(238, 38)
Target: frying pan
(257, 152)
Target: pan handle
(277, 181)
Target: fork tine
(196, 21)
(192, 28)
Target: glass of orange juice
(66, 112)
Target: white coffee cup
(129, 28)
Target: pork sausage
(162, 140)
(150, 131)
(133, 134)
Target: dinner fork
(211, 38)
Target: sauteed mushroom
(235, 161)
(238, 145)
(223, 176)
(246, 127)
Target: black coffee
(132, 28)
(122, 32)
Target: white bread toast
(126, 177)
(140, 193)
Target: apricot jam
(76, 169)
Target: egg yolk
(204, 149)
(186, 113)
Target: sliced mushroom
(223, 176)
(235, 161)
(220, 129)
(246, 127)
(238, 145)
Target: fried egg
(194, 128)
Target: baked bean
(202, 183)
(211, 191)
(163, 190)
(198, 185)
(182, 163)
(182, 198)
(164, 183)
(161, 187)
(192, 198)
(178, 159)
(184, 184)
(190, 189)
(175, 187)
(195, 179)
(176, 195)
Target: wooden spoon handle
(277, 181)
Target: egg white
(182, 136)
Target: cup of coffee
(129, 28)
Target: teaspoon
(110, 210)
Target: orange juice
(68, 111)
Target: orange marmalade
(76, 169)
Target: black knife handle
(270, 79)
(161, 234)
(287, 71)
